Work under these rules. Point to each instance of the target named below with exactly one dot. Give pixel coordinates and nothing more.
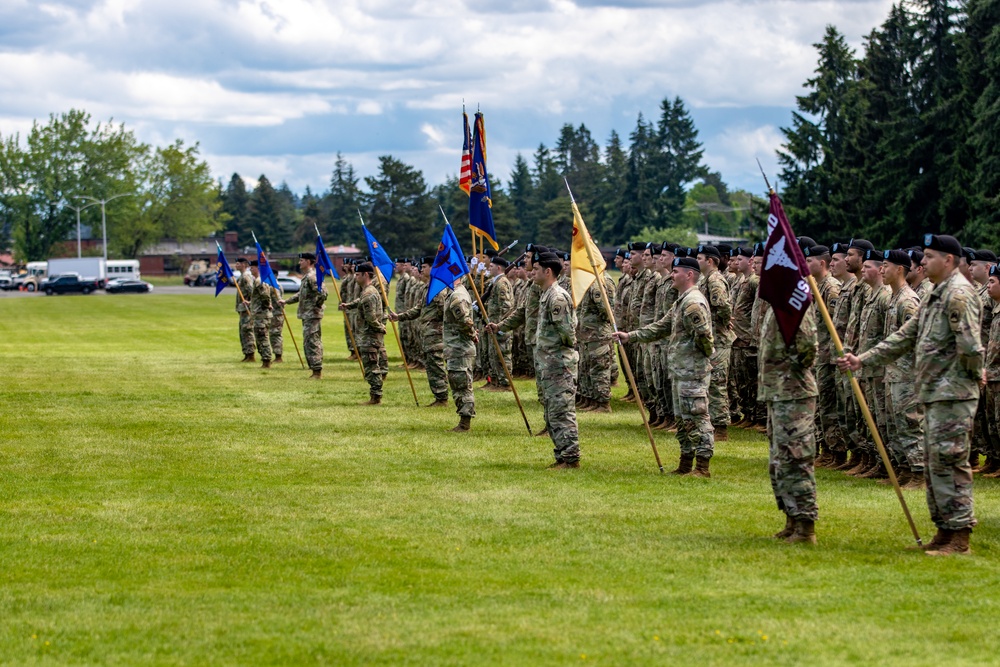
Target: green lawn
(164, 504)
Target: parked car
(207, 279)
(6, 283)
(290, 285)
(129, 287)
(69, 284)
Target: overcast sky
(279, 87)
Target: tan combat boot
(684, 466)
(701, 467)
(787, 530)
(721, 434)
(266, 363)
(941, 538)
(601, 407)
(464, 424)
(248, 358)
(374, 400)
(278, 359)
(805, 532)
(438, 403)
(317, 375)
(957, 546)
(544, 433)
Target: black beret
(500, 261)
(899, 257)
(242, 259)
(984, 255)
(916, 255)
(758, 249)
(995, 270)
(627, 255)
(620, 252)
(709, 251)
(253, 262)
(519, 264)
(655, 249)
(490, 252)
(724, 248)
(839, 249)
(816, 251)
(428, 259)
(861, 244)
(669, 247)
(550, 260)
(687, 263)
(565, 256)
(943, 243)
(873, 255)
(969, 253)
(366, 267)
(307, 255)
(741, 252)
(806, 242)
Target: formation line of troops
(918, 328)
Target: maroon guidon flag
(783, 278)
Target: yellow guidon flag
(586, 261)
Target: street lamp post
(104, 217)
(79, 245)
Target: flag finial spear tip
(770, 190)
(571, 197)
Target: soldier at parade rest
(311, 300)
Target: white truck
(88, 268)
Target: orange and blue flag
(223, 273)
(264, 267)
(480, 196)
(379, 257)
(324, 267)
(448, 264)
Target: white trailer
(89, 268)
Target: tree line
(902, 139)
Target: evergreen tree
(521, 193)
(236, 203)
(609, 216)
(981, 79)
(401, 213)
(339, 210)
(264, 212)
(675, 161)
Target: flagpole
(292, 336)
(624, 357)
(347, 320)
(378, 276)
(237, 284)
(496, 345)
(858, 394)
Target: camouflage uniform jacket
(429, 315)
(743, 302)
(666, 297)
(647, 308)
(310, 298)
(623, 316)
(993, 349)
(500, 301)
(527, 316)
(987, 323)
(348, 288)
(621, 294)
(737, 281)
(556, 335)
(871, 328)
(402, 293)
(859, 297)
(924, 289)
(945, 340)
(903, 307)
(260, 299)
(276, 307)
(245, 291)
(716, 291)
(691, 342)
(760, 309)
(841, 313)
(784, 372)
(371, 318)
(634, 307)
(829, 289)
(594, 324)
(459, 328)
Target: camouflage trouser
(666, 384)
(827, 425)
(790, 426)
(246, 333)
(639, 368)
(376, 363)
(460, 381)
(981, 430)
(352, 317)
(744, 365)
(312, 343)
(347, 332)
(992, 394)
(529, 358)
(657, 378)
(905, 414)
(947, 425)
(496, 367)
(276, 333)
(649, 350)
(437, 377)
(557, 378)
(732, 389)
(694, 428)
(858, 437)
(875, 392)
(596, 359)
(262, 336)
(614, 368)
(718, 388)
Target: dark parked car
(68, 284)
(129, 287)
(206, 279)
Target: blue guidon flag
(324, 267)
(783, 278)
(379, 257)
(264, 268)
(448, 264)
(223, 273)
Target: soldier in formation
(371, 331)
(428, 331)
(312, 305)
(244, 290)
(261, 311)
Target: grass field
(164, 504)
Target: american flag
(465, 174)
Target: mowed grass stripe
(164, 504)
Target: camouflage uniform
(945, 339)
(594, 339)
(905, 412)
(555, 365)
(526, 317)
(371, 336)
(981, 435)
(788, 386)
(840, 314)
(649, 351)
(666, 297)
(459, 348)
(736, 282)
(499, 305)
(870, 333)
(275, 331)
(626, 286)
(260, 308)
(828, 433)
(311, 302)
(519, 365)
(347, 286)
(760, 309)
(744, 361)
(924, 289)
(245, 291)
(857, 430)
(716, 291)
(689, 351)
(430, 323)
(634, 310)
(993, 382)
